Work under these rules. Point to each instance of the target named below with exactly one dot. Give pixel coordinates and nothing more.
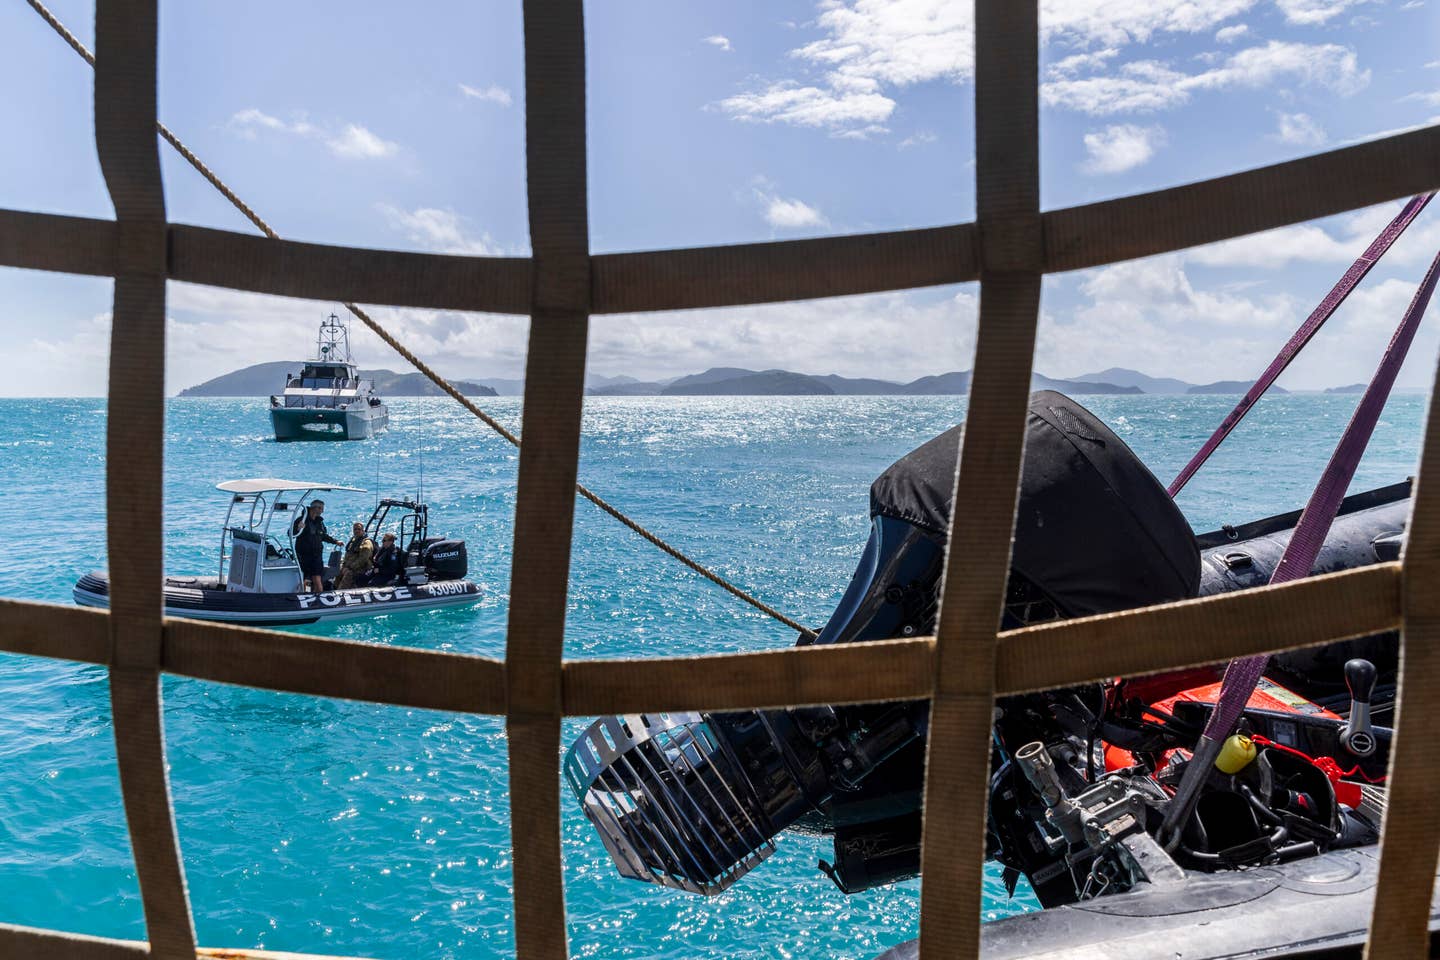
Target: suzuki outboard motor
(444, 559)
(693, 800)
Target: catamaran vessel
(328, 400)
(258, 581)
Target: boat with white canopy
(258, 578)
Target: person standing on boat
(388, 564)
(310, 539)
(358, 553)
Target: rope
(420, 365)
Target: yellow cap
(1235, 754)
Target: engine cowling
(445, 559)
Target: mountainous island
(264, 379)
(740, 382)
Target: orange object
(1268, 695)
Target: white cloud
(352, 140)
(1083, 62)
(1311, 12)
(871, 45)
(1143, 86)
(1324, 65)
(1416, 246)
(1148, 315)
(811, 107)
(357, 141)
(1230, 34)
(792, 214)
(490, 94)
(214, 330)
(874, 42)
(1132, 21)
(1275, 248)
(1431, 98)
(926, 332)
(1149, 85)
(76, 364)
(1381, 134)
(717, 40)
(440, 231)
(1121, 147)
(246, 122)
(918, 138)
(1300, 129)
(1345, 239)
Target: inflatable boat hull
(1318, 906)
(204, 599)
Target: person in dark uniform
(310, 539)
(389, 563)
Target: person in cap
(310, 539)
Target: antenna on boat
(333, 342)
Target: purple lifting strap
(1302, 336)
(1241, 676)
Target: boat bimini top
(268, 484)
(253, 559)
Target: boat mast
(333, 343)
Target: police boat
(259, 582)
(1279, 849)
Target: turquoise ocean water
(345, 828)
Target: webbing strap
(987, 480)
(1301, 337)
(1324, 504)
(125, 97)
(1242, 675)
(1410, 839)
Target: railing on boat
(1009, 248)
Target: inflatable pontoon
(258, 581)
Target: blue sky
(365, 124)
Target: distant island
(1230, 386)
(264, 379)
(740, 382)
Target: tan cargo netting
(1009, 248)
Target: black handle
(1360, 678)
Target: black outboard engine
(444, 559)
(693, 800)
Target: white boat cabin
(331, 380)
